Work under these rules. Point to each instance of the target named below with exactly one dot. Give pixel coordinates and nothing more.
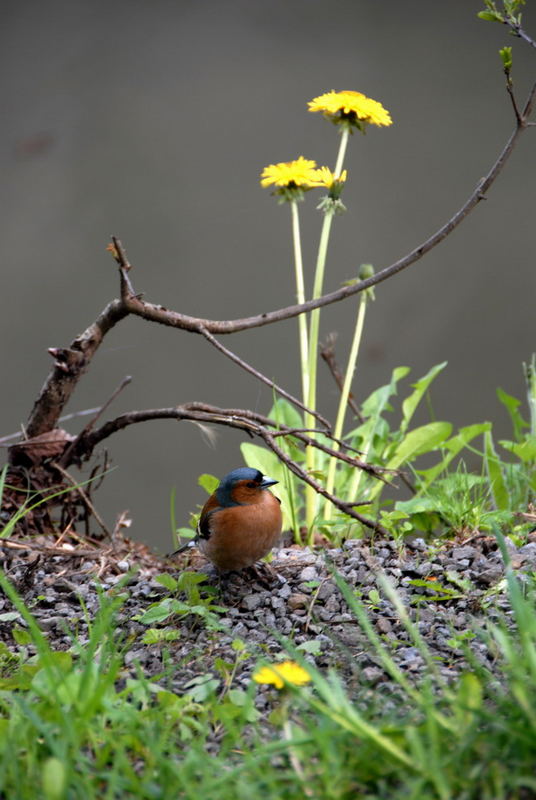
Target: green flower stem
(343, 402)
(356, 478)
(345, 135)
(300, 297)
(310, 453)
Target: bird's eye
(251, 485)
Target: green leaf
(208, 482)
(202, 687)
(286, 413)
(21, 636)
(512, 405)
(418, 441)
(158, 612)
(53, 779)
(377, 401)
(495, 475)
(238, 696)
(525, 451)
(310, 646)
(411, 402)
(506, 57)
(469, 698)
(158, 635)
(167, 581)
(489, 16)
(453, 446)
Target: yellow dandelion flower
(326, 177)
(351, 108)
(280, 674)
(290, 174)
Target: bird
(240, 522)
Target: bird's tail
(181, 549)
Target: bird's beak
(266, 482)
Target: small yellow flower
(300, 173)
(280, 674)
(351, 108)
(326, 177)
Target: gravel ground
(449, 590)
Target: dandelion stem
(310, 454)
(345, 392)
(300, 296)
(345, 135)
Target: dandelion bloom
(300, 174)
(326, 177)
(281, 674)
(353, 108)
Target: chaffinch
(240, 522)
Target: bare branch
(347, 508)
(327, 352)
(65, 459)
(83, 496)
(237, 360)
(69, 365)
(252, 423)
(517, 30)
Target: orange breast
(241, 535)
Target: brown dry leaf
(46, 445)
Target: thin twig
(119, 253)
(243, 419)
(53, 551)
(518, 31)
(327, 352)
(272, 384)
(64, 460)
(83, 496)
(247, 421)
(347, 508)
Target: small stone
(124, 566)
(277, 603)
(424, 569)
(297, 601)
(384, 625)
(460, 553)
(416, 544)
(308, 574)
(284, 591)
(490, 576)
(528, 552)
(49, 623)
(326, 590)
(372, 674)
(251, 601)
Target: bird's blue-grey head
(254, 479)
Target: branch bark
(253, 424)
(70, 363)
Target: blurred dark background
(153, 120)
